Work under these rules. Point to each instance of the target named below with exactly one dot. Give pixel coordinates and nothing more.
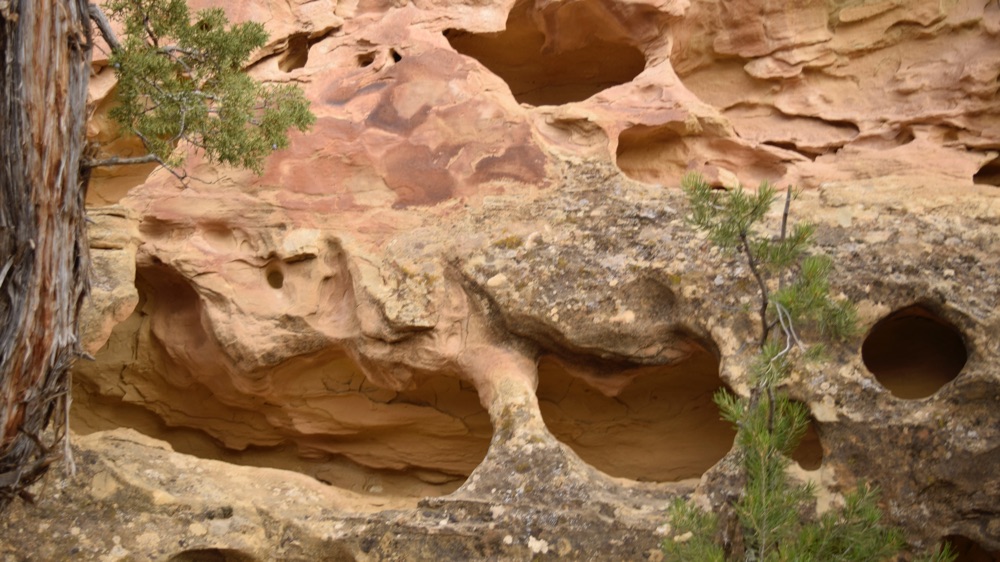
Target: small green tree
(772, 515)
(183, 80)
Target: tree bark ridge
(44, 74)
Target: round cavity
(913, 352)
(661, 426)
(275, 278)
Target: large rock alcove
(316, 413)
(564, 55)
(654, 424)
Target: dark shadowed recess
(212, 555)
(437, 428)
(969, 550)
(540, 74)
(650, 423)
(989, 174)
(913, 352)
(809, 453)
(296, 55)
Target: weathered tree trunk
(44, 72)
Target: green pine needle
(181, 80)
(775, 514)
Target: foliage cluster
(775, 518)
(183, 80)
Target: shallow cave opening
(652, 154)
(989, 174)
(212, 555)
(661, 426)
(296, 53)
(163, 373)
(662, 154)
(913, 352)
(544, 67)
(968, 550)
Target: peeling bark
(44, 73)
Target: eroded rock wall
(474, 278)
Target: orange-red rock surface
(483, 230)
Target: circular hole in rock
(275, 278)
(968, 550)
(655, 424)
(548, 67)
(809, 453)
(913, 352)
(212, 555)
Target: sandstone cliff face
(473, 280)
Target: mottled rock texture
(473, 282)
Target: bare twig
(67, 402)
(770, 408)
(104, 27)
(764, 298)
(121, 161)
(6, 268)
(146, 159)
(784, 215)
(149, 32)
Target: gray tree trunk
(44, 73)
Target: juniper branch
(104, 27)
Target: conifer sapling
(774, 515)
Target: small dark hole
(275, 279)
(366, 59)
(395, 56)
(809, 453)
